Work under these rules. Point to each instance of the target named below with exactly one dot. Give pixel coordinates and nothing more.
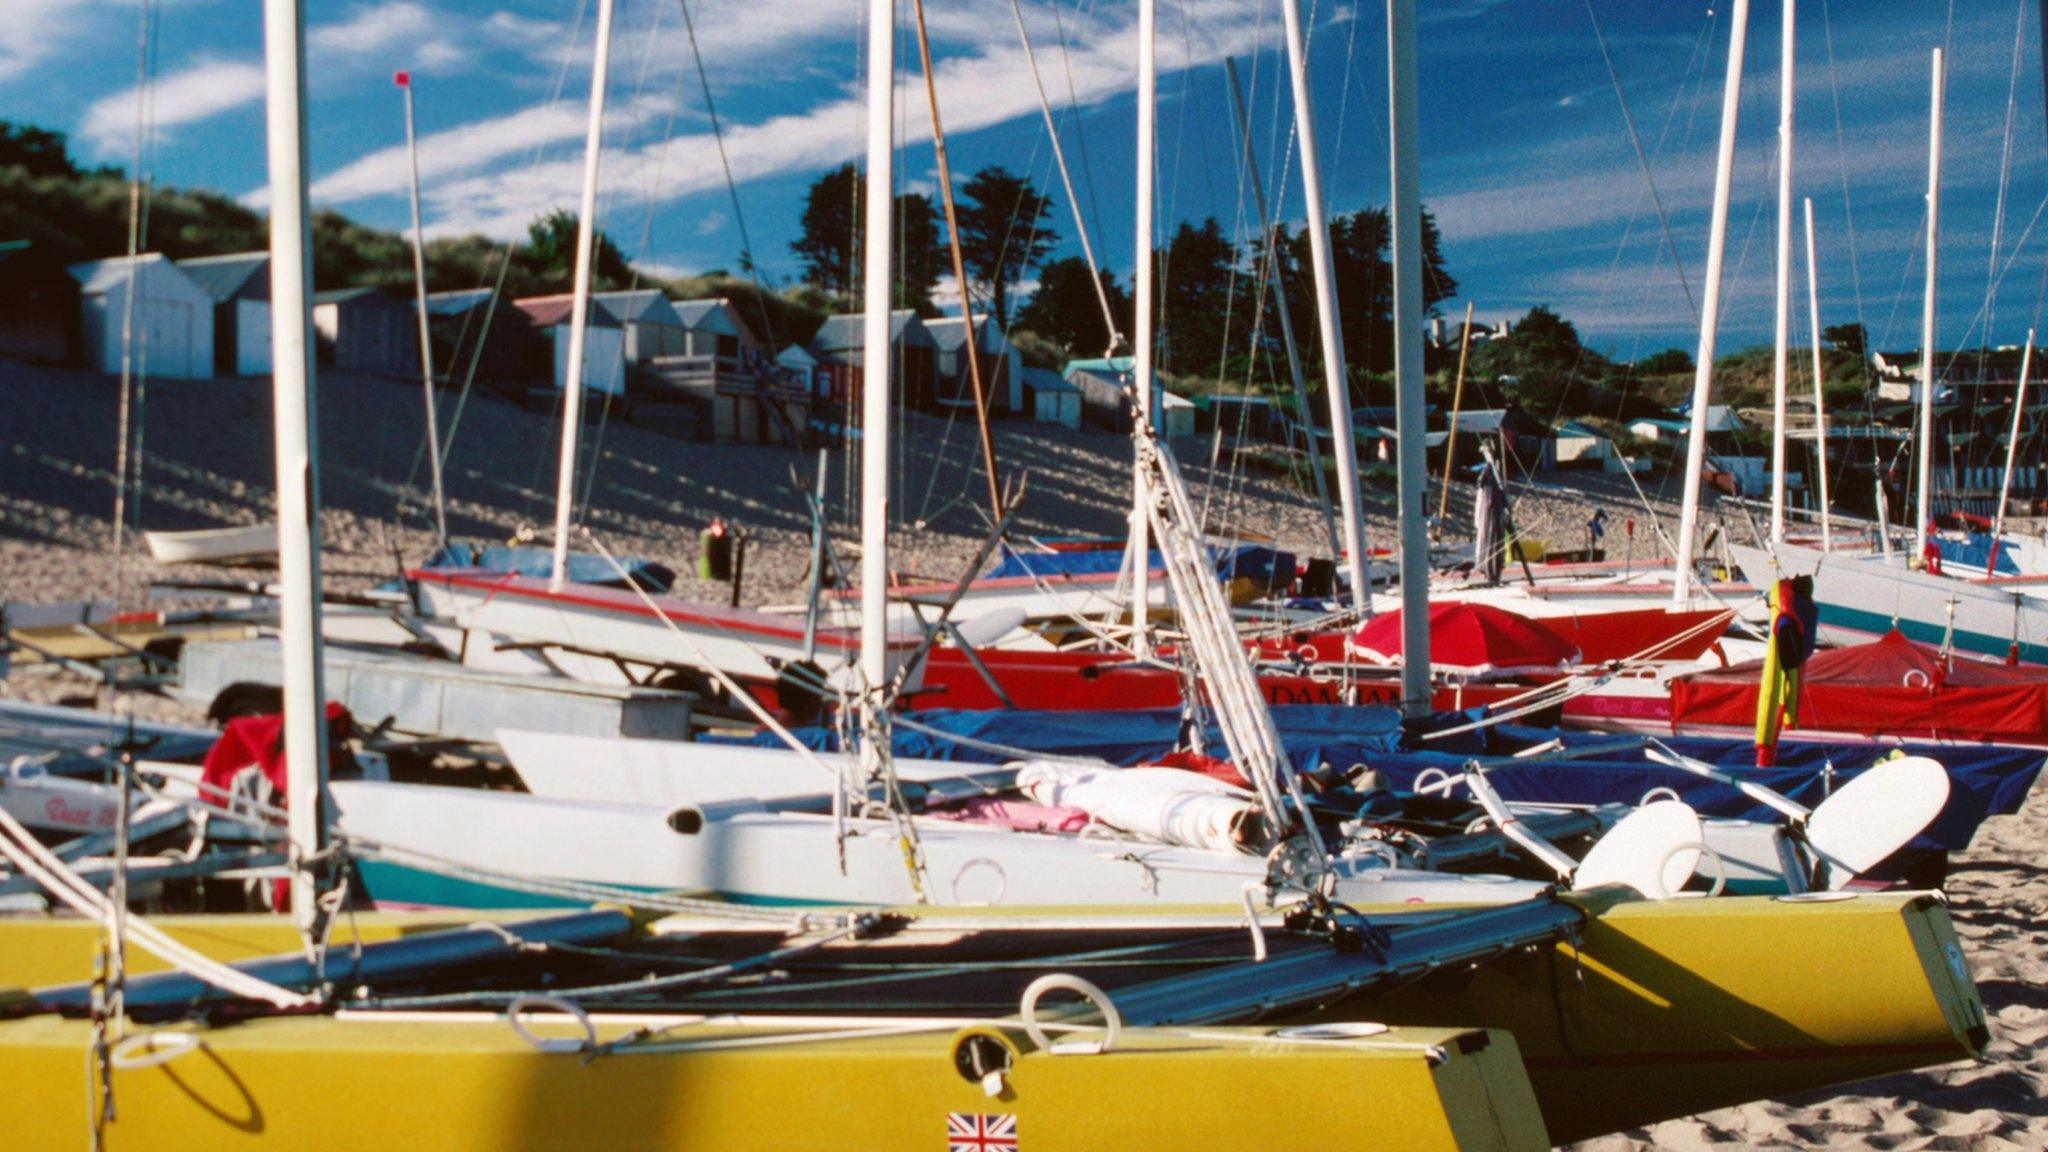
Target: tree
(829, 241)
(1669, 362)
(551, 253)
(1359, 246)
(41, 152)
(1850, 338)
(1003, 233)
(829, 231)
(1067, 311)
(920, 253)
(1197, 273)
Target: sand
(208, 462)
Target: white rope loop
(1113, 1021)
(516, 1012)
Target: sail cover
(1889, 687)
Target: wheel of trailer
(243, 698)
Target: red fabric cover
(1620, 634)
(256, 741)
(1890, 686)
(1209, 766)
(1471, 640)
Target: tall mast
(1282, 309)
(1710, 307)
(2012, 447)
(1141, 349)
(1820, 407)
(1924, 501)
(875, 385)
(579, 306)
(1781, 350)
(1335, 380)
(1408, 397)
(298, 455)
(419, 276)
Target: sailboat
(900, 1025)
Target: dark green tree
(1359, 258)
(1067, 311)
(1850, 338)
(1003, 232)
(921, 256)
(1669, 362)
(40, 152)
(1198, 273)
(828, 232)
(551, 253)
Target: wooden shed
(476, 325)
(368, 330)
(240, 287)
(1002, 366)
(716, 329)
(1051, 398)
(604, 341)
(913, 358)
(173, 316)
(651, 325)
(38, 305)
(801, 361)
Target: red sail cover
(1472, 640)
(1888, 687)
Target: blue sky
(1525, 160)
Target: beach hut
(651, 325)
(240, 287)
(714, 328)
(604, 341)
(1173, 415)
(1052, 399)
(913, 357)
(370, 330)
(38, 305)
(1101, 386)
(173, 316)
(1002, 366)
(804, 364)
(1582, 446)
(476, 325)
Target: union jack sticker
(971, 1132)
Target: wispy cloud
(400, 34)
(204, 90)
(983, 81)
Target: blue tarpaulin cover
(1254, 562)
(582, 567)
(1973, 554)
(1988, 780)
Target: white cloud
(202, 91)
(377, 28)
(460, 151)
(979, 86)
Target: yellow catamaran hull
(1656, 1010)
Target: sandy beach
(207, 462)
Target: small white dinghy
(239, 545)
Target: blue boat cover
(582, 567)
(1255, 562)
(1311, 733)
(1987, 780)
(1973, 554)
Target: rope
(28, 855)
